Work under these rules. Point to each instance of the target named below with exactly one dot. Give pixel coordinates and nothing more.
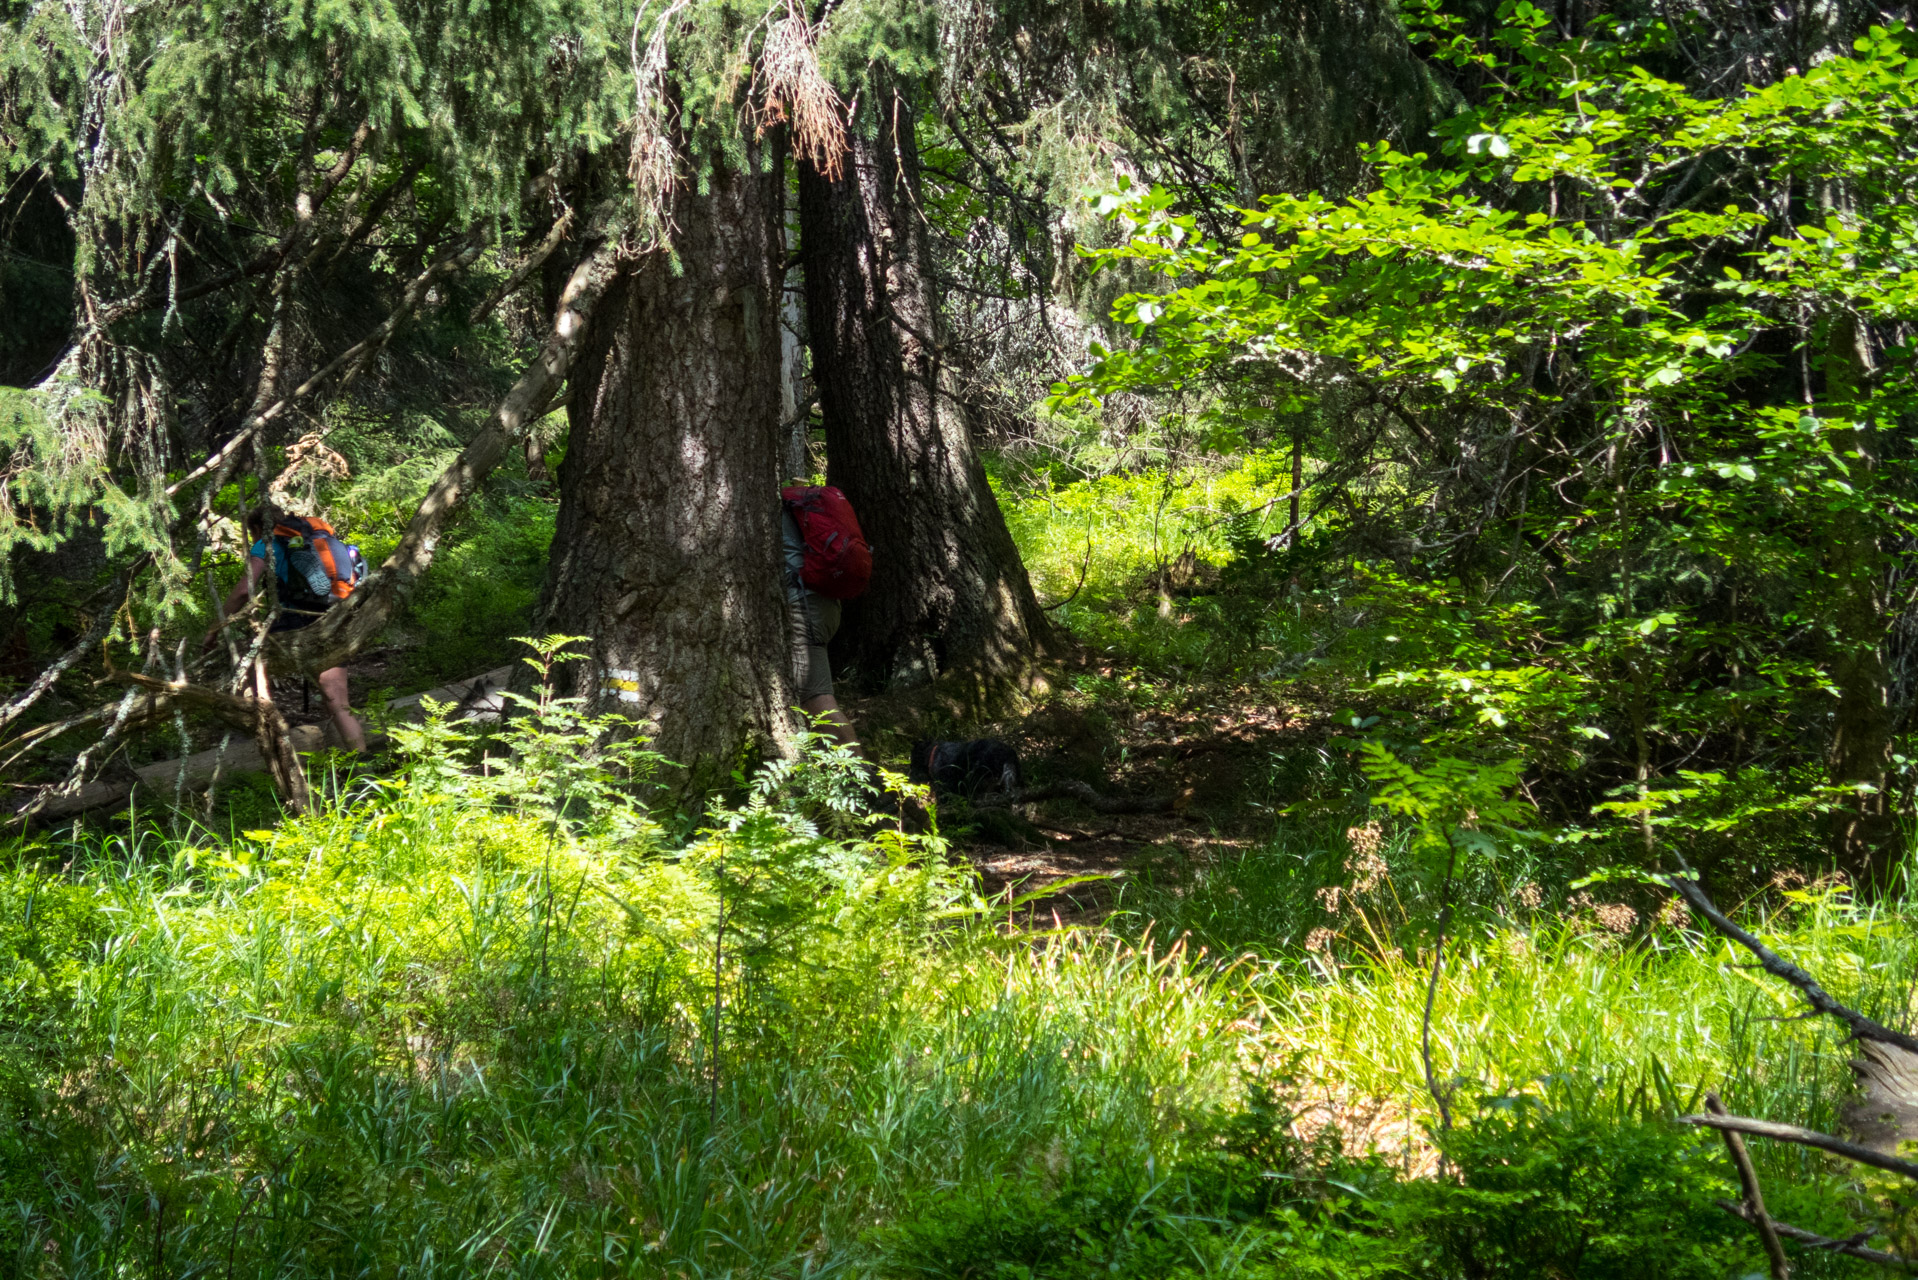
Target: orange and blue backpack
(322, 568)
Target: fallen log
(477, 698)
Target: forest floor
(1215, 753)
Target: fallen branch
(1853, 1248)
(1754, 1195)
(1808, 1138)
(255, 713)
(1771, 962)
(476, 698)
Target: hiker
(827, 561)
(311, 577)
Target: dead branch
(96, 627)
(540, 254)
(1808, 1138)
(355, 355)
(1754, 1195)
(254, 713)
(1852, 1248)
(475, 698)
(268, 260)
(345, 628)
(1771, 962)
(46, 732)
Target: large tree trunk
(949, 594)
(667, 547)
(1863, 828)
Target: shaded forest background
(1427, 489)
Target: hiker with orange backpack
(827, 561)
(314, 569)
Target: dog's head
(919, 763)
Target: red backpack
(838, 557)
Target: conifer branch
(355, 355)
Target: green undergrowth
(498, 1020)
(1140, 564)
(1597, 1001)
(450, 1028)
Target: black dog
(970, 769)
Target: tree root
(1077, 791)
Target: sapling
(1461, 813)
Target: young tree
(1658, 395)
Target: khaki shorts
(815, 622)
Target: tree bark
(949, 593)
(1863, 829)
(667, 547)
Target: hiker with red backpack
(313, 569)
(827, 561)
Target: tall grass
(454, 1026)
(418, 1036)
(1533, 1001)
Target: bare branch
(96, 628)
(1754, 1195)
(1808, 1138)
(356, 355)
(1852, 1248)
(540, 254)
(308, 205)
(1771, 962)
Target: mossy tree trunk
(949, 593)
(667, 546)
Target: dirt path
(1218, 751)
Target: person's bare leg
(836, 719)
(332, 683)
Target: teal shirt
(308, 565)
(258, 552)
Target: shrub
(1574, 1192)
